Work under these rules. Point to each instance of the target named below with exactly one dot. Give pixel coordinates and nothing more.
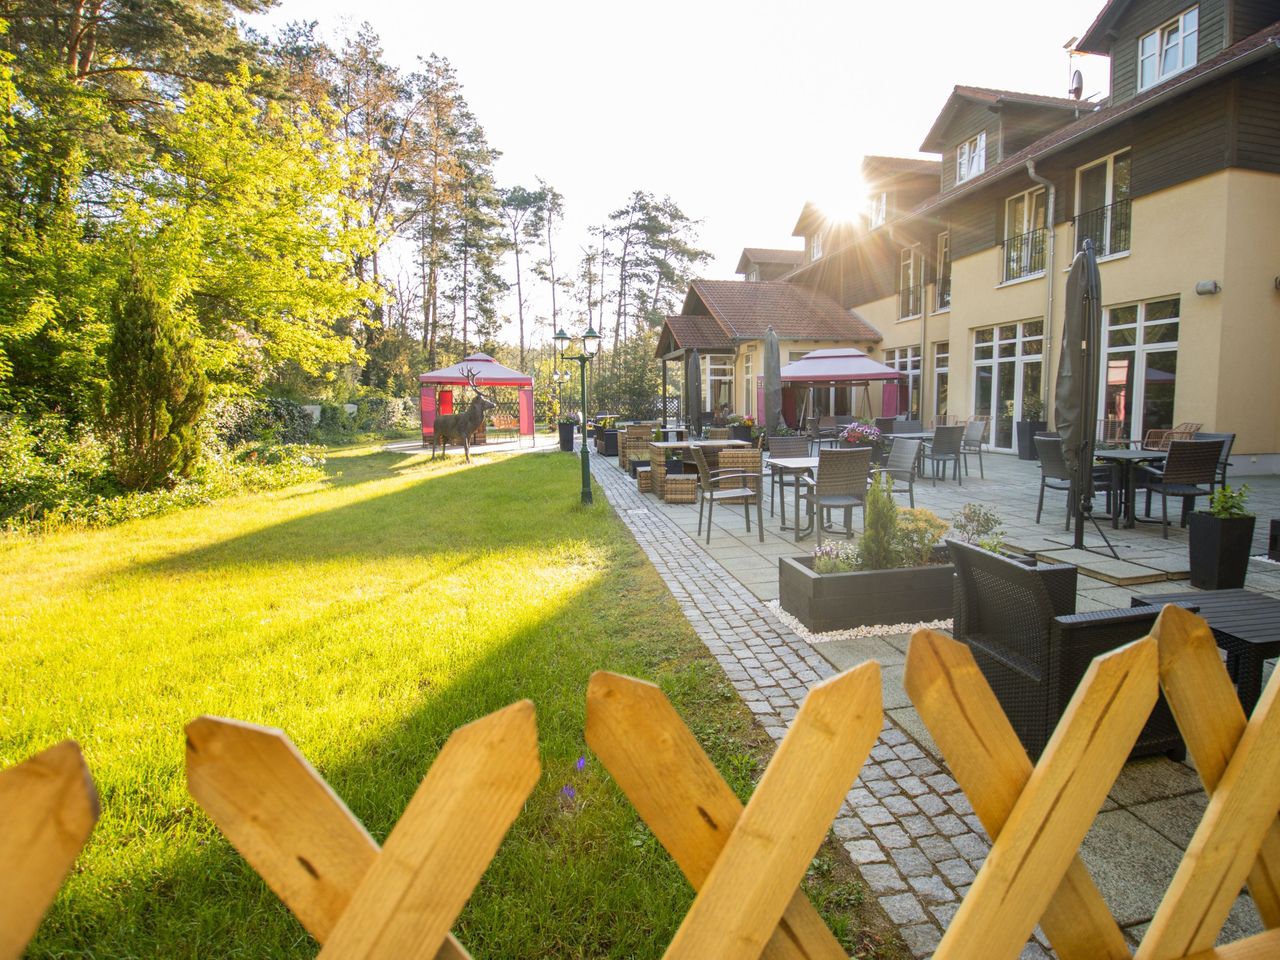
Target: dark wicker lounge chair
(1224, 461)
(1190, 471)
(1020, 622)
(730, 484)
(944, 449)
(974, 439)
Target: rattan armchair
(945, 448)
(973, 441)
(841, 484)
(1160, 439)
(1224, 461)
(900, 467)
(1021, 625)
(1190, 471)
(730, 484)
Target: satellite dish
(1077, 85)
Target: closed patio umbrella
(772, 412)
(1076, 394)
(693, 393)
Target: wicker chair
(1224, 461)
(944, 449)
(974, 439)
(900, 466)
(1053, 472)
(886, 424)
(1190, 467)
(841, 484)
(1021, 625)
(730, 485)
(1160, 439)
(780, 448)
(718, 433)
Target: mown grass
(367, 616)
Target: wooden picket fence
(746, 863)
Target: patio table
(1126, 461)
(796, 466)
(1245, 624)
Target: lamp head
(591, 342)
(561, 340)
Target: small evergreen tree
(879, 539)
(157, 390)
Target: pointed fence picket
(745, 862)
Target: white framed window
(1170, 49)
(971, 157)
(941, 379)
(717, 377)
(1103, 212)
(1008, 371)
(1140, 369)
(906, 360)
(908, 284)
(815, 246)
(1025, 234)
(942, 285)
(754, 275)
(878, 209)
(749, 382)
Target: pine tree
(157, 390)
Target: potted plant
(896, 573)
(567, 425)
(1030, 424)
(607, 436)
(862, 434)
(740, 427)
(1220, 540)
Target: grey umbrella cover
(772, 413)
(1076, 394)
(693, 393)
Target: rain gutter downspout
(1050, 208)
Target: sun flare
(840, 194)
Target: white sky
(740, 111)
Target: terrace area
(906, 823)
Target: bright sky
(740, 111)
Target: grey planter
(840, 601)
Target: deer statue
(460, 426)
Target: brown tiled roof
(767, 255)
(1265, 42)
(695, 333)
(747, 310)
(985, 95)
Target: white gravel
(857, 633)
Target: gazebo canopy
(488, 373)
(842, 365)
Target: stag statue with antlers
(460, 426)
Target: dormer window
(879, 209)
(815, 246)
(1169, 50)
(971, 158)
(754, 275)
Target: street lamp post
(589, 344)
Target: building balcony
(1024, 255)
(1108, 227)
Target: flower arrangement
(737, 420)
(894, 538)
(862, 433)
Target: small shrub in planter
(890, 576)
(1220, 540)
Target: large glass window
(942, 288)
(941, 379)
(1140, 369)
(1008, 370)
(1103, 212)
(906, 360)
(717, 379)
(749, 381)
(1169, 50)
(1025, 219)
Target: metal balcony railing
(1024, 254)
(943, 293)
(1108, 227)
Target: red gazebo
(434, 397)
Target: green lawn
(367, 616)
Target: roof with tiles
(767, 255)
(933, 142)
(747, 310)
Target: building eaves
(767, 255)
(990, 98)
(1264, 43)
(1097, 39)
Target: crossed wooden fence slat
(746, 863)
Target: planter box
(840, 601)
(1219, 550)
(737, 432)
(566, 436)
(1027, 429)
(607, 442)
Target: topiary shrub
(879, 548)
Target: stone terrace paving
(906, 823)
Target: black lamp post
(589, 345)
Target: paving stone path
(906, 823)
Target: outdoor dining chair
(731, 485)
(1157, 439)
(974, 439)
(944, 449)
(1224, 461)
(1055, 476)
(886, 424)
(900, 467)
(841, 484)
(1190, 471)
(784, 448)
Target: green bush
(240, 420)
(46, 464)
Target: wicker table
(1245, 624)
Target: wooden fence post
(359, 902)
(48, 806)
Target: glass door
(1140, 370)
(1008, 374)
